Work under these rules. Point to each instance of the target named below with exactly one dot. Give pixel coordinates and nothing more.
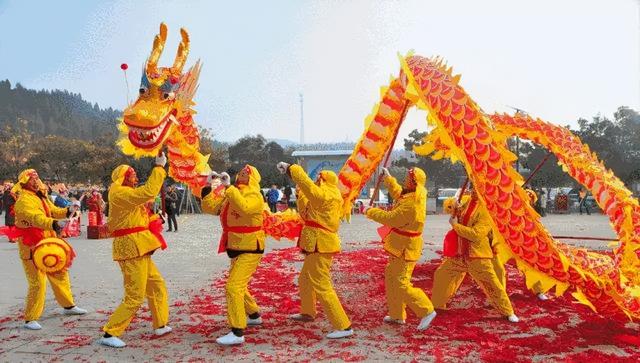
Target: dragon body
(463, 133)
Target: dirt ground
(555, 330)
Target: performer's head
(29, 180)
(414, 179)
(328, 177)
(123, 175)
(248, 176)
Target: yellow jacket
(321, 207)
(406, 217)
(30, 212)
(239, 206)
(476, 230)
(127, 210)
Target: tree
(441, 173)
(263, 155)
(17, 143)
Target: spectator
(2, 191)
(171, 205)
(62, 200)
(8, 200)
(543, 203)
(583, 201)
(287, 195)
(272, 198)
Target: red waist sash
(155, 227)
(314, 224)
(30, 235)
(384, 231)
(222, 246)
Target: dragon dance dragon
(461, 132)
(163, 115)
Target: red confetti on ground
(557, 329)
(72, 341)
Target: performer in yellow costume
(319, 241)
(37, 218)
(403, 243)
(133, 245)
(240, 208)
(473, 226)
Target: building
(314, 161)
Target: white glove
(161, 160)
(225, 179)
(283, 167)
(215, 183)
(212, 176)
(385, 172)
(453, 220)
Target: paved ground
(191, 268)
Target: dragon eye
(168, 95)
(142, 90)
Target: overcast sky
(559, 60)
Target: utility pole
(301, 119)
(521, 112)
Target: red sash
(311, 224)
(314, 224)
(155, 227)
(226, 229)
(384, 231)
(32, 235)
(453, 244)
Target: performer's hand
(225, 179)
(453, 220)
(56, 227)
(161, 160)
(215, 183)
(385, 172)
(211, 177)
(283, 167)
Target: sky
(558, 60)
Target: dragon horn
(158, 46)
(183, 51)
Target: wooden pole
(386, 160)
(537, 169)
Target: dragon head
(164, 101)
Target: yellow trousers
(141, 278)
(451, 272)
(37, 280)
(401, 293)
(315, 284)
(501, 272)
(240, 303)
